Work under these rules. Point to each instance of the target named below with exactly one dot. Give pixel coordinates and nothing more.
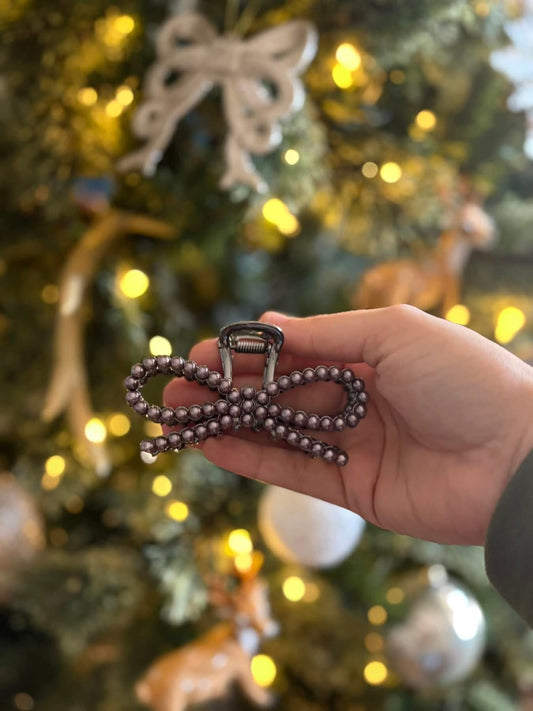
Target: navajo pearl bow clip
(245, 407)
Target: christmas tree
(401, 147)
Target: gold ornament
(188, 46)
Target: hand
(449, 421)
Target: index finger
(351, 336)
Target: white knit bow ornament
(259, 81)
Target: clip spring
(249, 345)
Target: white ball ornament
(301, 529)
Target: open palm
(448, 423)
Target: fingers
(279, 466)
(352, 336)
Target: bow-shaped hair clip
(245, 406)
(259, 82)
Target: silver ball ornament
(301, 529)
(21, 532)
(442, 639)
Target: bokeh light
(95, 430)
(87, 96)
(118, 424)
(124, 95)
(458, 314)
(134, 283)
(426, 120)
(177, 510)
(159, 345)
(55, 465)
(293, 588)
(375, 673)
(377, 615)
(161, 485)
(369, 169)
(510, 321)
(348, 56)
(390, 172)
(263, 669)
(239, 541)
(342, 76)
(291, 156)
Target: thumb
(353, 336)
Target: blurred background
(159, 182)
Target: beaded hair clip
(245, 407)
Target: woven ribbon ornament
(259, 82)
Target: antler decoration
(68, 388)
(188, 45)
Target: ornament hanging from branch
(21, 534)
(442, 638)
(516, 62)
(259, 82)
(305, 530)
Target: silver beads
(244, 407)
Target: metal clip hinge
(250, 337)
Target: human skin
(449, 421)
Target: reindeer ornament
(205, 668)
(434, 280)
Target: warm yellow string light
(291, 156)
(243, 562)
(114, 108)
(124, 24)
(426, 120)
(159, 345)
(161, 485)
(133, 283)
(277, 213)
(348, 56)
(342, 76)
(390, 172)
(377, 615)
(293, 588)
(95, 430)
(55, 466)
(369, 169)
(118, 424)
(87, 96)
(458, 314)
(239, 541)
(375, 673)
(510, 321)
(263, 669)
(177, 510)
(124, 95)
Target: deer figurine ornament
(434, 280)
(206, 668)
